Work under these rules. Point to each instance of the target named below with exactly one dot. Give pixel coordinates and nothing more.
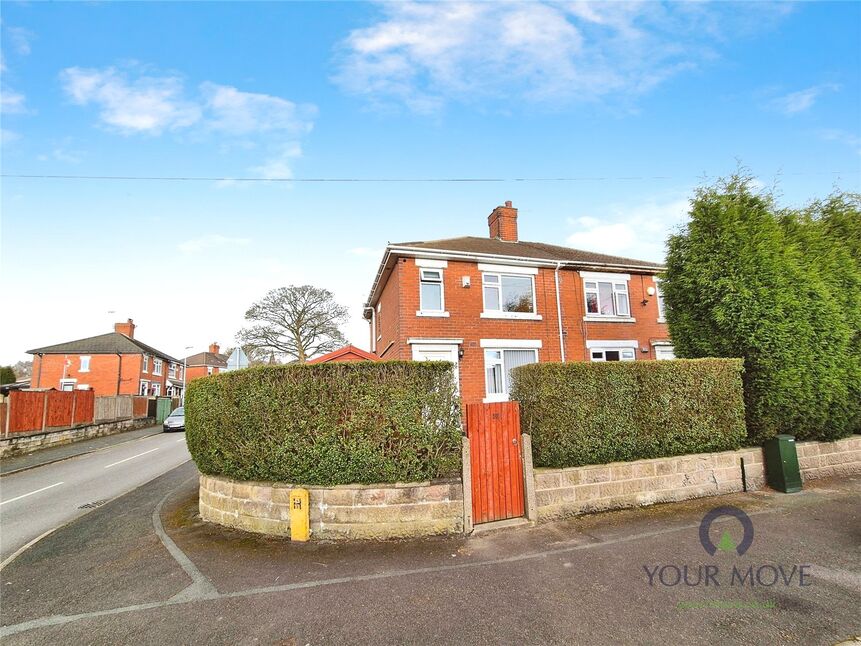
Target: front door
(438, 352)
(495, 461)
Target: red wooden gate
(495, 460)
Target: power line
(313, 180)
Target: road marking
(24, 548)
(56, 484)
(132, 458)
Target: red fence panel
(60, 404)
(3, 407)
(85, 406)
(140, 406)
(25, 410)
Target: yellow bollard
(300, 512)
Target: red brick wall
(401, 295)
(196, 372)
(102, 375)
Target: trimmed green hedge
(594, 413)
(327, 424)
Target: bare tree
(296, 322)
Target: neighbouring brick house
(491, 304)
(204, 364)
(111, 364)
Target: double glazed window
(606, 298)
(498, 365)
(85, 364)
(509, 293)
(156, 389)
(659, 296)
(613, 354)
(156, 366)
(431, 291)
(145, 363)
(144, 389)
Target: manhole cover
(93, 505)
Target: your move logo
(717, 574)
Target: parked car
(175, 421)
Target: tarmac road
(41, 499)
(144, 569)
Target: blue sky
(639, 102)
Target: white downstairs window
(498, 364)
(156, 389)
(143, 391)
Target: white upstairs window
(509, 293)
(606, 295)
(85, 364)
(145, 363)
(431, 295)
(156, 366)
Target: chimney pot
(502, 223)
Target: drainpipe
(39, 378)
(559, 314)
(119, 372)
(373, 322)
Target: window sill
(511, 315)
(662, 320)
(609, 319)
(432, 314)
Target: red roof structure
(347, 353)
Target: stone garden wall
(341, 512)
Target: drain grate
(93, 505)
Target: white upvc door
(436, 352)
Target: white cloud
(134, 103)
(8, 136)
(211, 241)
(635, 231)
(802, 100)
(12, 102)
(63, 155)
(236, 112)
(20, 39)
(146, 104)
(426, 54)
(842, 136)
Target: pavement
(41, 499)
(145, 569)
(41, 457)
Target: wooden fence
(29, 411)
(26, 411)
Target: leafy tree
(746, 280)
(295, 322)
(7, 375)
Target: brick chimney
(503, 223)
(214, 348)
(127, 328)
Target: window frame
(157, 366)
(156, 389)
(501, 313)
(84, 366)
(502, 349)
(143, 386)
(425, 311)
(605, 350)
(659, 299)
(171, 370)
(145, 363)
(615, 280)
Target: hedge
(327, 424)
(595, 413)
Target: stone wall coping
(383, 485)
(541, 470)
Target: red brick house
(491, 304)
(204, 364)
(111, 364)
(345, 354)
